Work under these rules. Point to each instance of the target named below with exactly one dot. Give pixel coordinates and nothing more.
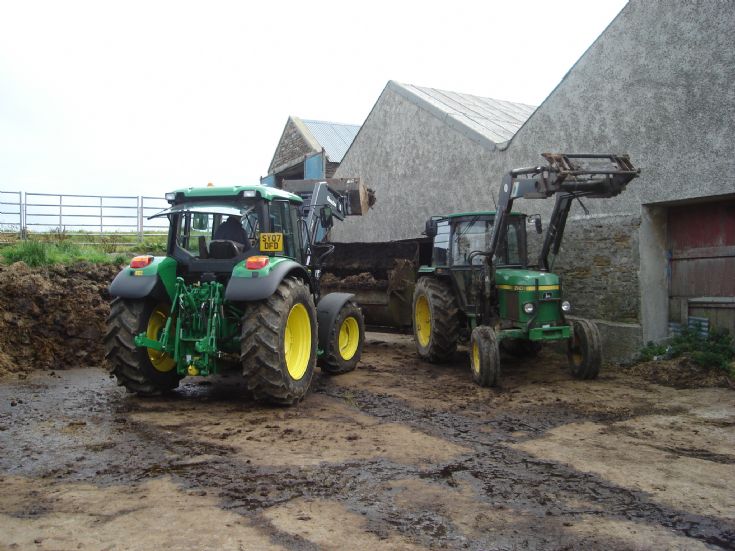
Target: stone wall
(291, 149)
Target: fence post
(23, 215)
(140, 218)
(101, 227)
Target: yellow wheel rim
(159, 360)
(349, 338)
(475, 361)
(297, 341)
(422, 320)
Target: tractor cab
(214, 229)
(460, 245)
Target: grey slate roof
(484, 119)
(334, 137)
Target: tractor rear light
(141, 261)
(528, 308)
(566, 307)
(256, 262)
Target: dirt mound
(680, 373)
(363, 281)
(53, 318)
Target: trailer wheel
(144, 371)
(346, 338)
(484, 356)
(278, 344)
(435, 320)
(584, 351)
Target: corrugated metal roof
(334, 137)
(495, 120)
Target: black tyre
(346, 338)
(144, 371)
(484, 356)
(584, 350)
(435, 320)
(278, 344)
(521, 348)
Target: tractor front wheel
(435, 320)
(278, 344)
(145, 371)
(484, 356)
(346, 337)
(584, 351)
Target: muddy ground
(399, 454)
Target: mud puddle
(396, 455)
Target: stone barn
(658, 84)
(309, 149)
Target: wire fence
(119, 220)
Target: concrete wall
(657, 84)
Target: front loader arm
(570, 175)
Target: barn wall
(417, 166)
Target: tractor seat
(224, 248)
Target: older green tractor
(480, 285)
(239, 285)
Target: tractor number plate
(271, 242)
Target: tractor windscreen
(197, 225)
(474, 236)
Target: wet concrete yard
(399, 454)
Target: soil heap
(53, 317)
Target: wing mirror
(326, 217)
(536, 220)
(430, 228)
(200, 221)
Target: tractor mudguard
(128, 285)
(327, 311)
(245, 289)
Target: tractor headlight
(171, 197)
(528, 308)
(566, 307)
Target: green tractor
(239, 285)
(480, 285)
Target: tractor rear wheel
(145, 371)
(435, 320)
(278, 344)
(584, 350)
(346, 337)
(484, 356)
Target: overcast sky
(131, 98)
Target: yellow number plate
(271, 242)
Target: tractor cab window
(196, 228)
(470, 236)
(513, 249)
(474, 235)
(284, 222)
(441, 243)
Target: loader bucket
(381, 275)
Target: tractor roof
(224, 192)
(480, 213)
